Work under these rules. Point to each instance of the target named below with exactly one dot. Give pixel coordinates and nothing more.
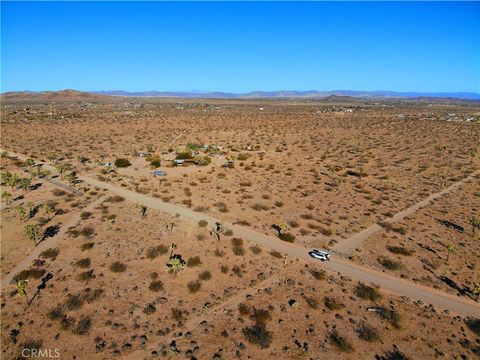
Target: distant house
(107, 164)
(179, 161)
(145, 154)
(159, 173)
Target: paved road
(463, 306)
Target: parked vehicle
(320, 255)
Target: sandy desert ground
(327, 169)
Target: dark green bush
(122, 163)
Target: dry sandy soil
(328, 170)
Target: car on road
(320, 255)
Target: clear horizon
(241, 47)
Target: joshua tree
(11, 180)
(24, 184)
(476, 290)
(48, 208)
(61, 170)
(22, 289)
(169, 225)
(72, 178)
(143, 210)
(30, 163)
(450, 250)
(475, 222)
(7, 196)
(31, 232)
(6, 176)
(176, 264)
(22, 213)
(172, 247)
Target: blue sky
(239, 47)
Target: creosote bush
(194, 286)
(156, 286)
(318, 274)
(286, 236)
(258, 335)
(399, 250)
(368, 333)
(118, 267)
(367, 292)
(205, 275)
(340, 342)
(194, 261)
(332, 303)
(155, 251)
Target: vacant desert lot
(325, 169)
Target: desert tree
(48, 208)
(476, 290)
(72, 178)
(22, 213)
(61, 170)
(24, 184)
(22, 289)
(29, 163)
(32, 232)
(475, 223)
(7, 197)
(169, 225)
(5, 177)
(450, 250)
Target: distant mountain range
(329, 96)
(292, 94)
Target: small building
(159, 173)
(145, 154)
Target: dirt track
(389, 283)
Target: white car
(320, 255)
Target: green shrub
(122, 163)
(286, 236)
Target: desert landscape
(147, 227)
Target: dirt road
(48, 243)
(348, 246)
(389, 283)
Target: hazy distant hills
(327, 96)
(293, 94)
